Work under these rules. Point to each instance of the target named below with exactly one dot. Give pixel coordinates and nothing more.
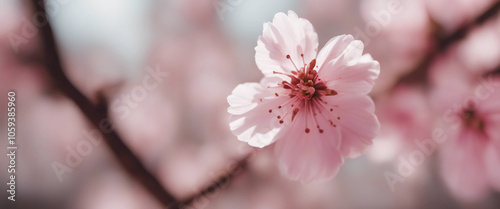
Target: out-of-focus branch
(420, 71)
(459, 34)
(494, 72)
(95, 114)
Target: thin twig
(214, 186)
(95, 114)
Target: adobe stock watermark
(93, 138)
(425, 148)
(381, 19)
(139, 93)
(29, 27)
(224, 6)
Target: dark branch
(462, 31)
(419, 73)
(95, 114)
(494, 72)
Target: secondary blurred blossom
(404, 116)
(470, 110)
(316, 110)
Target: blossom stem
(95, 114)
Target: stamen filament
(288, 57)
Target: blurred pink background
(179, 128)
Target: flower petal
(355, 117)
(308, 157)
(251, 120)
(493, 164)
(343, 67)
(286, 35)
(462, 167)
(242, 98)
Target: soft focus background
(179, 127)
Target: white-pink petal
(344, 68)
(308, 157)
(242, 99)
(250, 120)
(355, 117)
(286, 35)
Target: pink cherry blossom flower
(470, 110)
(315, 108)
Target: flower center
(305, 92)
(472, 120)
(305, 83)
